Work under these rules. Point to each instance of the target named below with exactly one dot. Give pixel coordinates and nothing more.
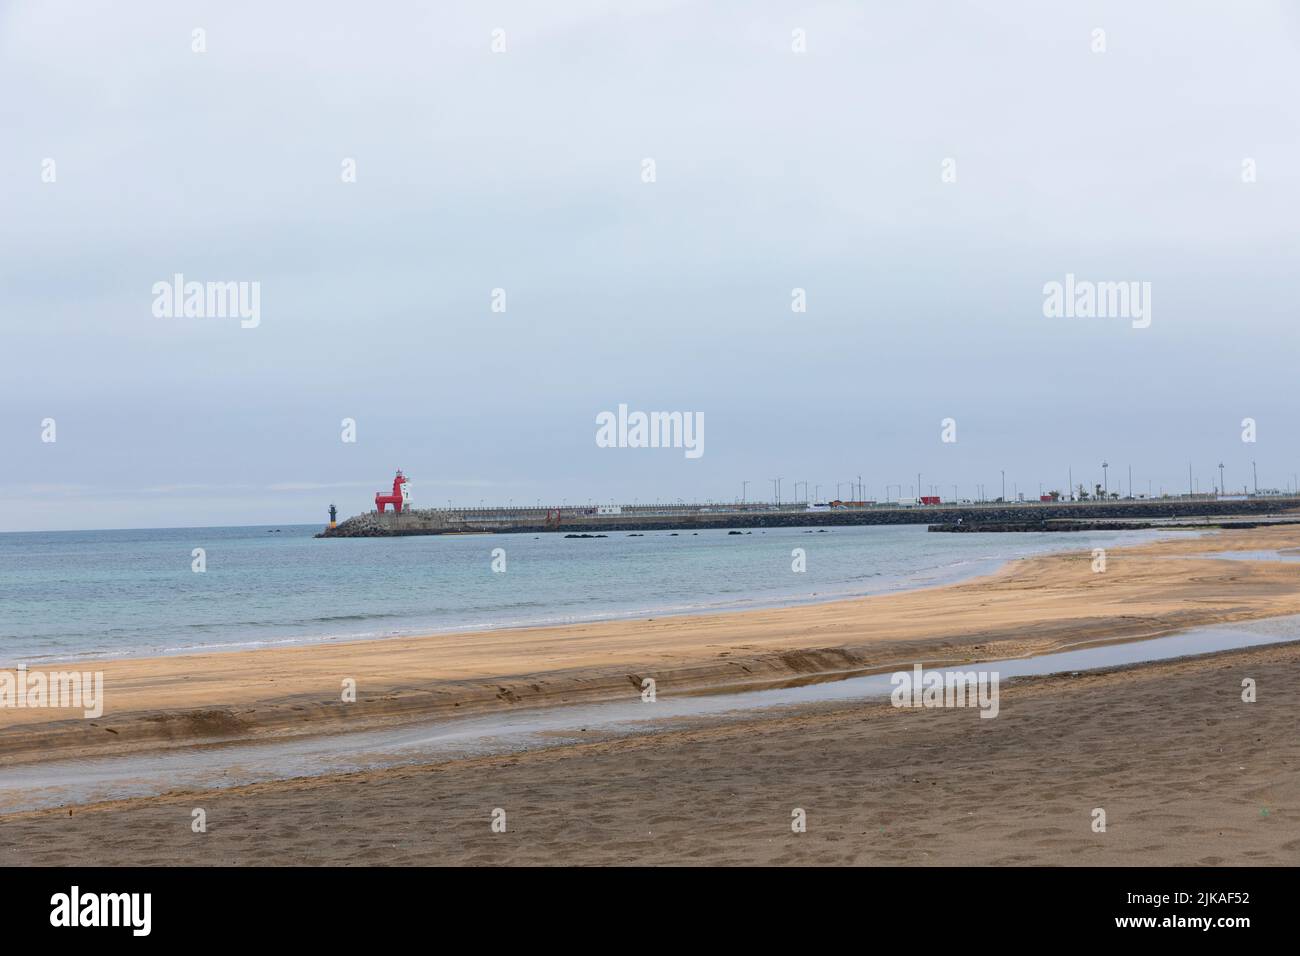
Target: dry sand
(1186, 772)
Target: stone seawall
(438, 521)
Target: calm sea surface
(70, 594)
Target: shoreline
(938, 576)
(1031, 606)
(986, 567)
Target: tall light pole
(1105, 485)
(776, 489)
(1130, 481)
(744, 488)
(1222, 487)
(859, 496)
(1004, 484)
(1255, 474)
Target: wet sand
(1186, 772)
(1032, 606)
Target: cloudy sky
(522, 170)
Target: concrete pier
(695, 517)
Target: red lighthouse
(398, 499)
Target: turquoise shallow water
(71, 594)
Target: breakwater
(1028, 516)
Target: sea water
(70, 595)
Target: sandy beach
(1186, 772)
(1031, 606)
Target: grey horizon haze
(521, 170)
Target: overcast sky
(523, 170)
